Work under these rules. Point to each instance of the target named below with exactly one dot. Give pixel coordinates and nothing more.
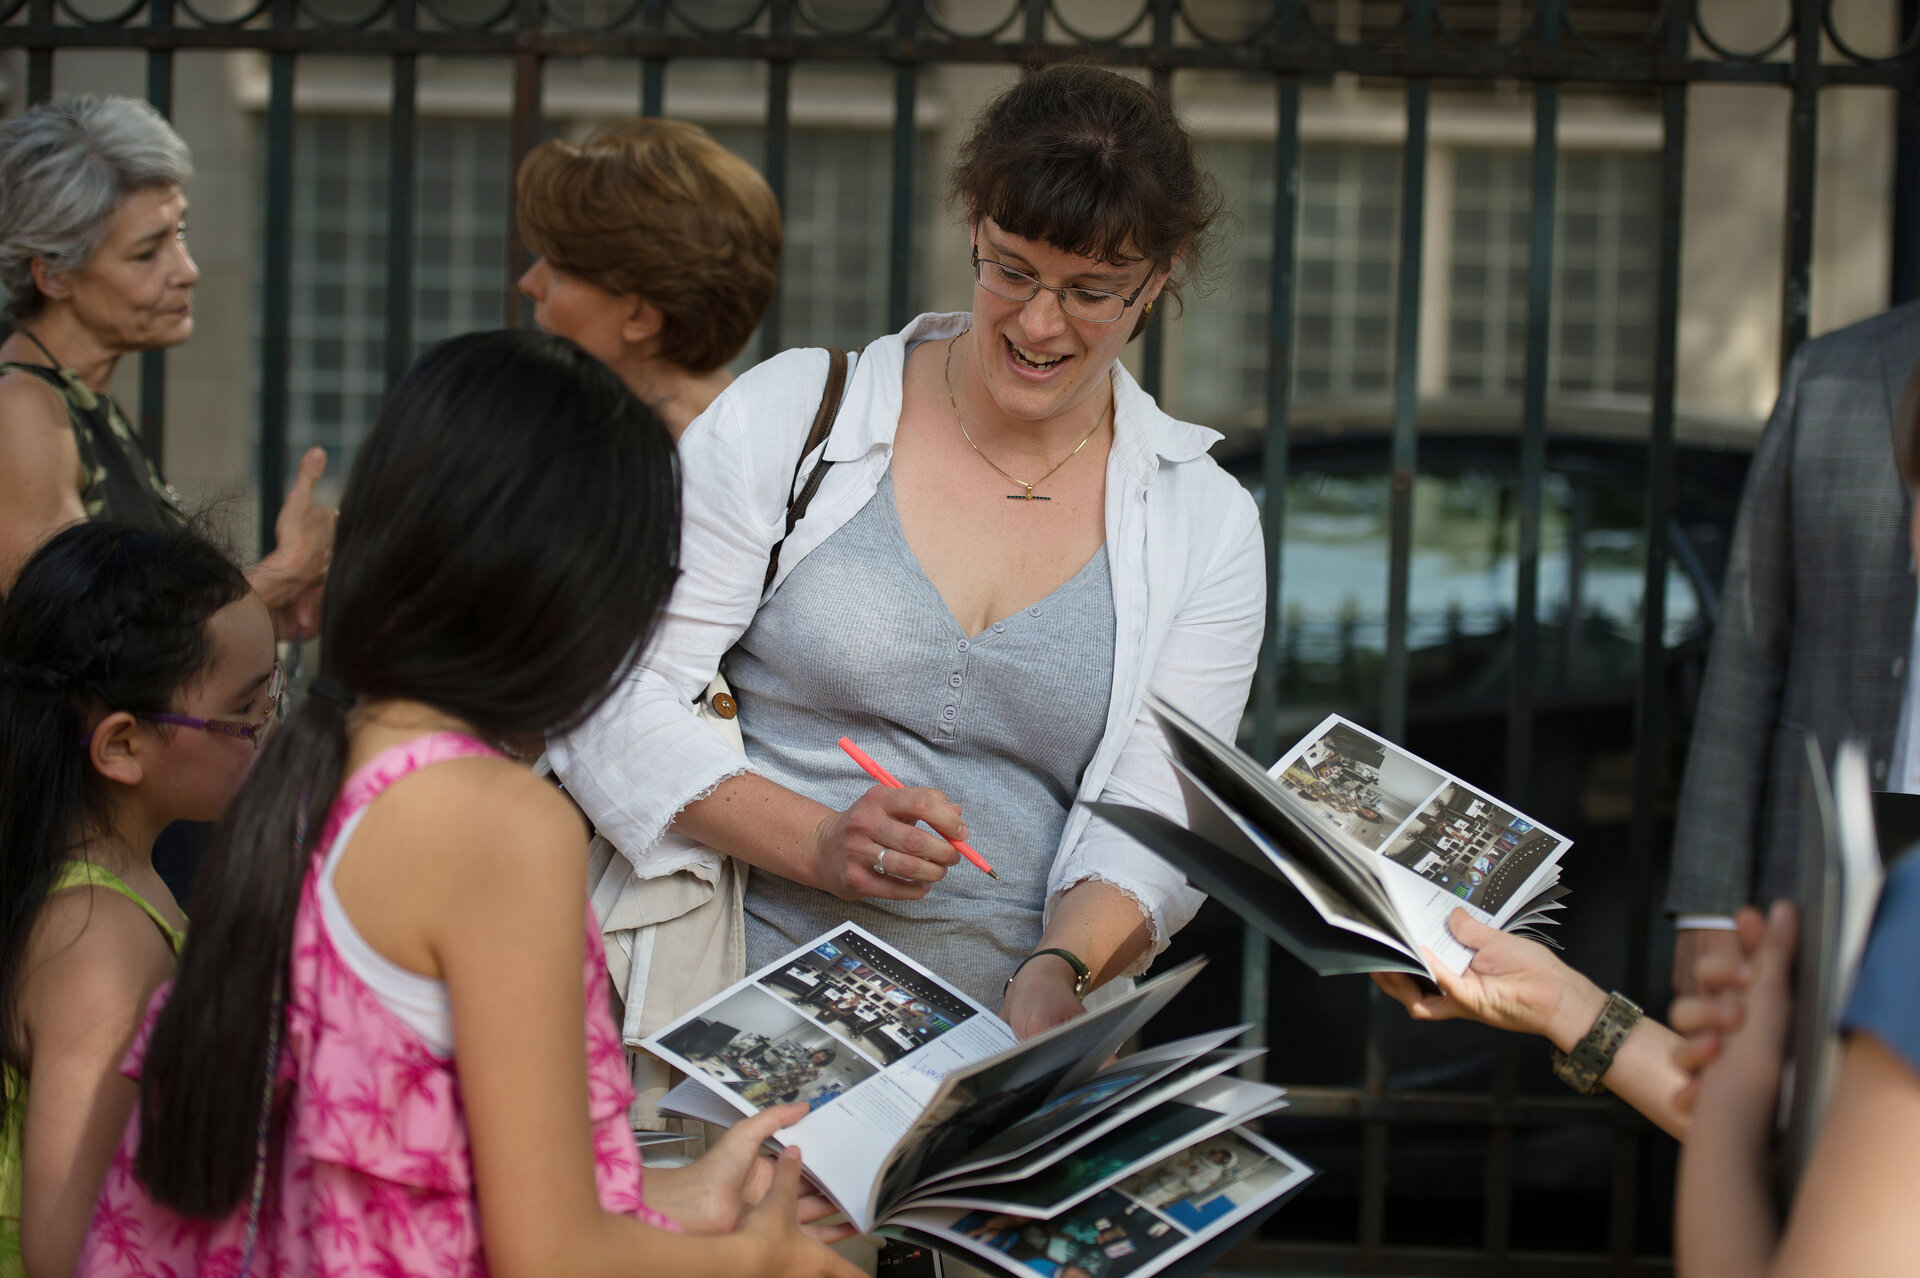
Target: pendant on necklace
(1026, 496)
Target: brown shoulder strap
(830, 397)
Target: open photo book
(1349, 852)
(1847, 832)
(930, 1122)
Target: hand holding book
(711, 1195)
(1511, 984)
(926, 1119)
(1349, 852)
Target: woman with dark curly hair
(1008, 542)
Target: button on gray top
(858, 642)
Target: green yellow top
(73, 874)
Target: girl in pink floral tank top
(375, 1176)
(389, 1049)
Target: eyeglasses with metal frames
(255, 733)
(1096, 306)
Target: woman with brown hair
(1007, 544)
(659, 250)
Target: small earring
(1149, 309)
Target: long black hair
(103, 616)
(505, 546)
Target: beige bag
(675, 940)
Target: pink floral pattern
(374, 1174)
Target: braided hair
(103, 615)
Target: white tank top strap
(420, 1002)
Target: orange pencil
(885, 778)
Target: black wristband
(1082, 978)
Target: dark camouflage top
(122, 483)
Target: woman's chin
(166, 334)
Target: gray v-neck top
(859, 643)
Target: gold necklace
(1028, 495)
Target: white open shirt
(1189, 595)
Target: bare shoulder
(36, 437)
(30, 405)
(93, 958)
(483, 812)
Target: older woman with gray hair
(94, 266)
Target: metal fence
(1656, 47)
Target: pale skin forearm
(1519, 985)
(1724, 1224)
(1644, 1073)
(760, 822)
(1101, 926)
(878, 847)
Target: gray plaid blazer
(1816, 619)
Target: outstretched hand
(714, 1193)
(780, 1245)
(1511, 984)
(291, 579)
(1742, 1010)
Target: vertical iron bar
(153, 364)
(906, 73)
(1153, 361)
(277, 295)
(1036, 26)
(1803, 136)
(522, 130)
(1256, 953)
(39, 76)
(1406, 368)
(1373, 1135)
(1498, 1225)
(402, 144)
(1406, 383)
(1533, 440)
(1286, 211)
(39, 61)
(1533, 455)
(1621, 1220)
(779, 136)
(653, 71)
(1579, 522)
(1905, 283)
(1650, 693)
(1650, 724)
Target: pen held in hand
(886, 778)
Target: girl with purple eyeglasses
(137, 678)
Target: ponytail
(505, 546)
(213, 1043)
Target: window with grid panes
(1348, 255)
(337, 352)
(1601, 325)
(838, 221)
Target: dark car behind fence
(1567, 699)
